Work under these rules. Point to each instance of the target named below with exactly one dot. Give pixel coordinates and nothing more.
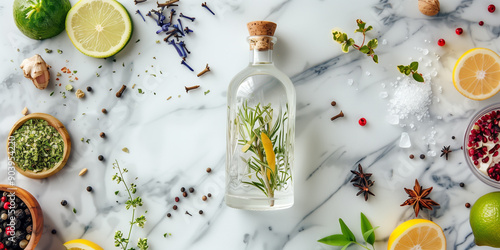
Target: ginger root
(35, 69)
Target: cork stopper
(261, 33)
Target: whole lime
(41, 19)
(485, 220)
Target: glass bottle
(260, 129)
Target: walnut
(79, 93)
(35, 69)
(428, 7)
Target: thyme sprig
(411, 69)
(254, 124)
(347, 42)
(120, 240)
(347, 238)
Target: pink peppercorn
(491, 8)
(459, 31)
(362, 121)
(441, 42)
(481, 23)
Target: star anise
(418, 198)
(362, 181)
(445, 151)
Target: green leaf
(418, 77)
(375, 58)
(401, 68)
(369, 233)
(347, 245)
(366, 226)
(414, 66)
(407, 71)
(364, 49)
(346, 231)
(372, 44)
(368, 29)
(345, 47)
(335, 240)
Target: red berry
(481, 23)
(1, 245)
(491, 8)
(459, 31)
(6, 205)
(176, 199)
(9, 231)
(362, 121)
(3, 199)
(441, 42)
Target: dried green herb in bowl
(38, 145)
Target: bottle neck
(261, 56)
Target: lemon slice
(476, 74)
(81, 244)
(417, 234)
(98, 28)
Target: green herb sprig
(347, 42)
(120, 240)
(411, 70)
(347, 238)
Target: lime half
(99, 28)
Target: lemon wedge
(82, 244)
(417, 234)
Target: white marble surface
(173, 141)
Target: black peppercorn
(89, 88)
(102, 135)
(200, 212)
(185, 194)
(64, 203)
(100, 158)
(412, 156)
(191, 189)
(168, 215)
(422, 156)
(209, 195)
(104, 111)
(53, 231)
(89, 189)
(467, 205)
(183, 189)
(174, 207)
(453, 137)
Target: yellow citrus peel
(270, 156)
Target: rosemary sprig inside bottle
(266, 139)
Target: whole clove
(204, 5)
(203, 71)
(120, 92)
(187, 17)
(191, 88)
(341, 114)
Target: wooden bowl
(35, 210)
(62, 131)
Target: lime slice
(99, 28)
(82, 244)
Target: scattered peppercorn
(174, 207)
(169, 215)
(412, 156)
(441, 42)
(204, 198)
(481, 23)
(462, 184)
(102, 135)
(183, 189)
(209, 195)
(453, 137)
(362, 121)
(177, 199)
(89, 89)
(185, 194)
(200, 212)
(467, 205)
(422, 156)
(191, 189)
(64, 203)
(53, 231)
(100, 158)
(104, 111)
(209, 170)
(491, 8)
(459, 31)
(89, 189)
(333, 103)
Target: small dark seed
(209, 195)
(191, 189)
(467, 205)
(89, 88)
(168, 215)
(174, 207)
(89, 189)
(104, 111)
(334, 103)
(422, 156)
(102, 135)
(100, 157)
(209, 170)
(462, 184)
(183, 189)
(453, 137)
(185, 194)
(64, 203)
(177, 199)
(200, 212)
(53, 231)
(204, 198)
(412, 156)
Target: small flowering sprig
(411, 69)
(347, 42)
(120, 240)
